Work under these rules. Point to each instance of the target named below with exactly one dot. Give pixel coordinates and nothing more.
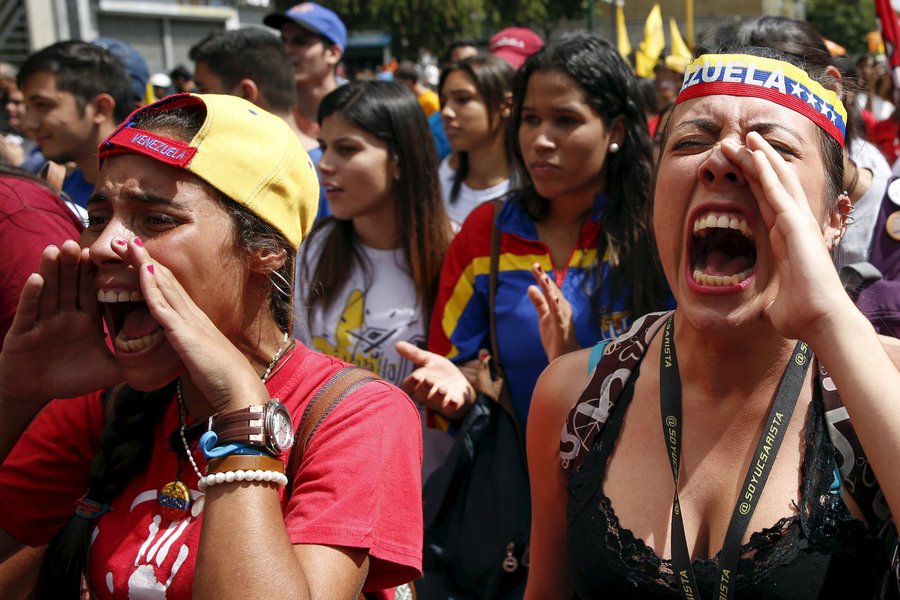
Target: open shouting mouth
(129, 320)
(722, 250)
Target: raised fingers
(779, 180)
(547, 285)
(413, 353)
(29, 301)
(162, 291)
(69, 258)
(87, 295)
(772, 181)
(49, 270)
(540, 302)
(550, 291)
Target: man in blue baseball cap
(314, 38)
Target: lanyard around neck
(766, 449)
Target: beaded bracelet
(232, 476)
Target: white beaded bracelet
(231, 476)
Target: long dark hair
(610, 89)
(391, 113)
(493, 78)
(126, 442)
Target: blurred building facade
(163, 30)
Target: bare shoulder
(557, 390)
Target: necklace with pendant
(174, 498)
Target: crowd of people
(248, 313)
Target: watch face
(281, 429)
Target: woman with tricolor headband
(169, 468)
(744, 444)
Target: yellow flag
(654, 41)
(680, 57)
(623, 44)
(149, 96)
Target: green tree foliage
(843, 21)
(434, 24)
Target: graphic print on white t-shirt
(368, 340)
(369, 315)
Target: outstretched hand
(809, 291)
(555, 320)
(56, 346)
(437, 383)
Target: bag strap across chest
(326, 400)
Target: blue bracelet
(208, 446)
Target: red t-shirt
(358, 485)
(31, 218)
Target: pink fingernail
(539, 269)
(138, 242)
(150, 268)
(120, 242)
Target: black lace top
(821, 552)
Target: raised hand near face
(216, 367)
(801, 233)
(57, 323)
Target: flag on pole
(890, 33)
(623, 44)
(678, 47)
(652, 46)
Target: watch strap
(236, 433)
(243, 415)
(245, 425)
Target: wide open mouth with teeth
(129, 320)
(722, 249)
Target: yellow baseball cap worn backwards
(769, 79)
(243, 151)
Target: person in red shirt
(32, 218)
(200, 206)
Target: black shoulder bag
(477, 505)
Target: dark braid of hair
(126, 446)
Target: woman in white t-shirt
(369, 272)
(476, 96)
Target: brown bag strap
(54, 174)
(496, 236)
(326, 399)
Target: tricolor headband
(769, 79)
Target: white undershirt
(468, 199)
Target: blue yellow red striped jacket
(460, 326)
